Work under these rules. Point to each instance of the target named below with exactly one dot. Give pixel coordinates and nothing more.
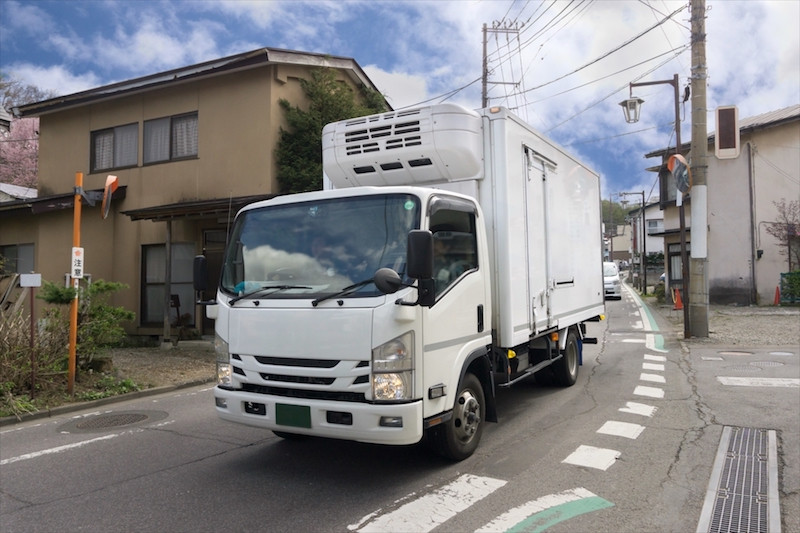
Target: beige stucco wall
(741, 192)
(776, 171)
(239, 119)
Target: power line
(674, 51)
(610, 94)
(613, 50)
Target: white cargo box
(541, 204)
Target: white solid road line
(57, 449)
(759, 382)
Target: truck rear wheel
(566, 368)
(458, 438)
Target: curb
(80, 406)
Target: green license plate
(298, 416)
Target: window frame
(171, 140)
(25, 252)
(115, 165)
(181, 284)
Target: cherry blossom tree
(19, 147)
(19, 153)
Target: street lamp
(643, 246)
(631, 107)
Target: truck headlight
(393, 369)
(223, 361)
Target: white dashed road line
(432, 510)
(589, 456)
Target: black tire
(458, 438)
(566, 368)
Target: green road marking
(552, 516)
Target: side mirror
(387, 281)
(200, 273)
(420, 254)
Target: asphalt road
(629, 447)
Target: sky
(561, 65)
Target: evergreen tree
(299, 151)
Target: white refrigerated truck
(453, 252)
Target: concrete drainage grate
(742, 493)
(105, 421)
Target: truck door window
(454, 247)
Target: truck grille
(308, 394)
(292, 377)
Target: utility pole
(698, 285)
(496, 28)
(485, 73)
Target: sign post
(32, 280)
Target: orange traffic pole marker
(73, 309)
(678, 301)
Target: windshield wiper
(273, 288)
(344, 292)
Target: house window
(655, 226)
(675, 263)
(115, 147)
(170, 138)
(16, 258)
(153, 286)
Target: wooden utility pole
(485, 75)
(698, 297)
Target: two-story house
(744, 260)
(189, 147)
(647, 230)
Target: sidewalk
(738, 326)
(745, 388)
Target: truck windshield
(313, 249)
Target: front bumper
(339, 420)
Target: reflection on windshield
(319, 247)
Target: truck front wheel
(566, 368)
(458, 438)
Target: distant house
(5, 122)
(646, 238)
(11, 193)
(744, 261)
(190, 147)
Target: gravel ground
(188, 362)
(753, 326)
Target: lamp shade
(632, 107)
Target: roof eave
(208, 69)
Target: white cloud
(400, 89)
(57, 79)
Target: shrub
(659, 291)
(99, 324)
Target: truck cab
(307, 343)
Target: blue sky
(557, 71)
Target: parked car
(611, 281)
